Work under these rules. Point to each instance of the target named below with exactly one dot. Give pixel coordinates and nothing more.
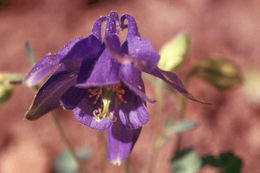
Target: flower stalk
(128, 165)
(67, 142)
(159, 96)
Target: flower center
(107, 94)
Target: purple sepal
(131, 77)
(41, 70)
(173, 80)
(105, 72)
(143, 51)
(49, 94)
(86, 48)
(47, 64)
(72, 97)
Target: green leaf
(220, 72)
(65, 163)
(174, 52)
(229, 163)
(186, 161)
(209, 160)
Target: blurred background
(216, 27)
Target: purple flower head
(100, 80)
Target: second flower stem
(67, 142)
(128, 165)
(159, 120)
(177, 147)
(182, 105)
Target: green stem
(66, 141)
(182, 105)
(159, 96)
(128, 165)
(102, 146)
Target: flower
(101, 82)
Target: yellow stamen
(107, 94)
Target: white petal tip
(29, 83)
(117, 161)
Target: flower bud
(174, 52)
(251, 85)
(6, 87)
(219, 72)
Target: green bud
(174, 52)
(251, 85)
(6, 86)
(219, 72)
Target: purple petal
(48, 95)
(86, 48)
(105, 72)
(134, 113)
(96, 30)
(83, 112)
(47, 64)
(132, 27)
(86, 69)
(131, 77)
(121, 141)
(111, 27)
(72, 97)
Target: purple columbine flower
(100, 80)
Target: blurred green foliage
(65, 163)
(227, 162)
(220, 72)
(186, 161)
(173, 128)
